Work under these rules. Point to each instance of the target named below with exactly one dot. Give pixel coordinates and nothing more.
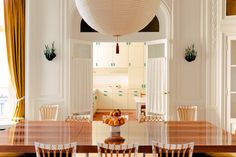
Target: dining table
(206, 136)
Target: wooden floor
(98, 115)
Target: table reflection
(87, 135)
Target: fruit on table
(111, 122)
(116, 122)
(106, 120)
(115, 113)
(114, 118)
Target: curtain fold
(156, 85)
(14, 13)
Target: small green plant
(191, 53)
(49, 52)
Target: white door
(231, 84)
(157, 77)
(81, 66)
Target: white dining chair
(187, 113)
(117, 149)
(152, 118)
(53, 150)
(49, 112)
(170, 150)
(78, 118)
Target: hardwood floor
(98, 115)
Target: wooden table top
(206, 137)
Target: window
(4, 73)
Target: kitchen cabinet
(120, 100)
(111, 99)
(95, 54)
(105, 99)
(132, 93)
(105, 55)
(136, 54)
(120, 60)
(136, 77)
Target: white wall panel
(45, 78)
(188, 78)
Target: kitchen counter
(139, 99)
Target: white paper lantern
(117, 17)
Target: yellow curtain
(14, 12)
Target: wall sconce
(190, 53)
(49, 52)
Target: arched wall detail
(163, 15)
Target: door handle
(166, 93)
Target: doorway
(118, 78)
(127, 79)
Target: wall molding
(59, 59)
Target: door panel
(81, 64)
(157, 78)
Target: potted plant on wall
(190, 53)
(49, 52)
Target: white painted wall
(46, 79)
(188, 79)
(189, 22)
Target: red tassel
(117, 48)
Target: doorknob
(166, 93)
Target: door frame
(229, 120)
(167, 56)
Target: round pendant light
(117, 17)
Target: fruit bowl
(115, 118)
(115, 121)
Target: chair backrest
(49, 112)
(152, 118)
(172, 150)
(49, 150)
(187, 113)
(78, 118)
(113, 149)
